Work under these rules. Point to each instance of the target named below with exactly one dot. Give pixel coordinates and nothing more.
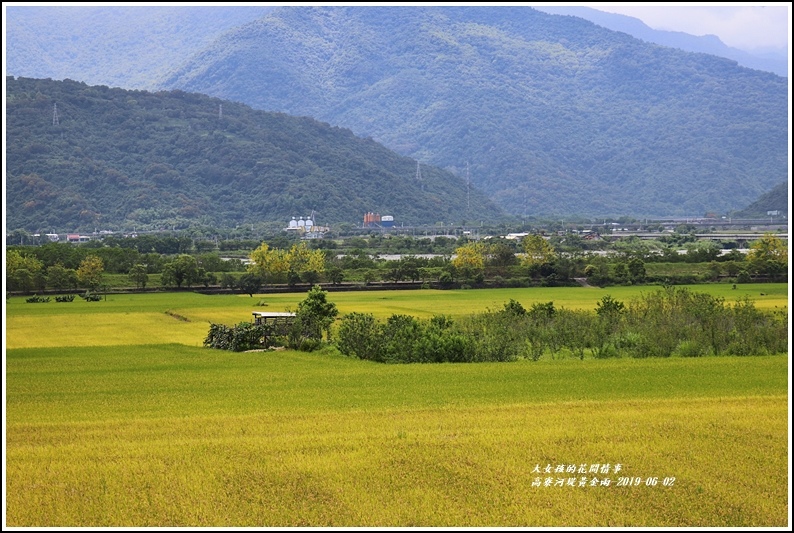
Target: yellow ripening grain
(99, 329)
(439, 466)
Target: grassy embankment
(107, 425)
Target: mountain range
(81, 157)
(550, 114)
(775, 61)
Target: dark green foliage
(609, 307)
(403, 339)
(36, 299)
(139, 275)
(669, 322)
(248, 283)
(89, 296)
(134, 159)
(65, 298)
(304, 332)
(515, 308)
(545, 311)
(244, 336)
(228, 281)
(59, 277)
(359, 336)
(743, 277)
(313, 320)
(335, 275)
(774, 200)
(181, 270)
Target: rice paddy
(116, 416)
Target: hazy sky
(745, 25)
(742, 25)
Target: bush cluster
(244, 336)
(312, 321)
(89, 296)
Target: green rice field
(117, 416)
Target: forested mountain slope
(119, 159)
(774, 200)
(554, 114)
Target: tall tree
(537, 251)
(23, 271)
(60, 277)
(183, 269)
(469, 260)
(90, 272)
(139, 275)
(768, 256)
(314, 317)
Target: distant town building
(307, 228)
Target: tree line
(497, 262)
(670, 322)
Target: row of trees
(60, 266)
(669, 322)
(552, 258)
(26, 273)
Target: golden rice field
(116, 416)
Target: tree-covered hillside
(774, 200)
(554, 114)
(120, 159)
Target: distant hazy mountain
(130, 47)
(555, 114)
(119, 159)
(776, 62)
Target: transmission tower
(220, 111)
(419, 176)
(55, 121)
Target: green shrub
(688, 348)
(91, 296)
(605, 351)
(244, 336)
(359, 336)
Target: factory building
(375, 220)
(307, 228)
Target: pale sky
(747, 26)
(744, 25)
